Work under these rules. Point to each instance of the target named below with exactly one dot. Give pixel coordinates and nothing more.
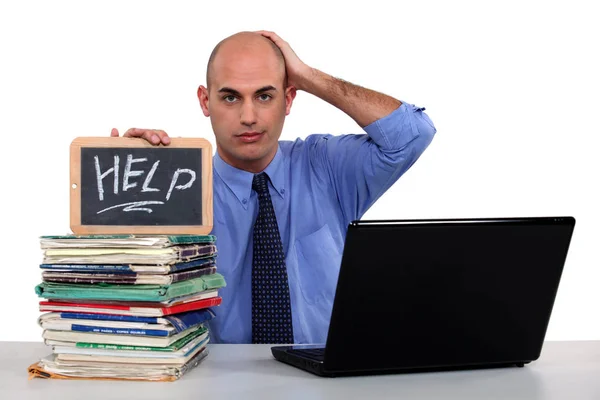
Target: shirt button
(282, 191)
(244, 201)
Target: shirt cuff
(396, 129)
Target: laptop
(431, 295)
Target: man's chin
(254, 154)
(250, 157)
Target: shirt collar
(240, 181)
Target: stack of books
(126, 306)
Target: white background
(512, 88)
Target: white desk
(566, 370)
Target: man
(281, 209)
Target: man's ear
(203, 98)
(290, 95)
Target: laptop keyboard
(317, 354)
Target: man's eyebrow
(229, 90)
(235, 92)
(265, 89)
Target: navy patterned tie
(271, 311)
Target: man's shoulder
(320, 142)
(311, 141)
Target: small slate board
(127, 185)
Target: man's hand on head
(296, 70)
(153, 136)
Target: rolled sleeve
(400, 127)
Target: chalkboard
(126, 185)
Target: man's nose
(248, 114)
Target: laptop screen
(414, 294)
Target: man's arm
(360, 167)
(364, 106)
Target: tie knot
(259, 183)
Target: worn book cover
(124, 279)
(130, 309)
(125, 357)
(121, 241)
(174, 254)
(50, 368)
(97, 323)
(180, 346)
(133, 269)
(153, 293)
(134, 340)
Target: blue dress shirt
(318, 186)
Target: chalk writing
(128, 184)
(146, 186)
(133, 206)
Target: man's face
(247, 104)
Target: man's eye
(264, 97)
(229, 99)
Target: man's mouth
(249, 137)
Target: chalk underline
(133, 206)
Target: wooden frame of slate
(128, 186)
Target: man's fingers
(142, 133)
(266, 33)
(152, 136)
(132, 132)
(114, 132)
(284, 46)
(164, 138)
(271, 35)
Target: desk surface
(565, 370)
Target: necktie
(271, 311)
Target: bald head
(243, 44)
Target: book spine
(83, 345)
(109, 317)
(196, 305)
(189, 253)
(207, 282)
(197, 359)
(189, 319)
(88, 305)
(195, 273)
(182, 266)
(214, 281)
(88, 267)
(119, 331)
(191, 239)
(101, 292)
(115, 281)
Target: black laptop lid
(446, 293)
